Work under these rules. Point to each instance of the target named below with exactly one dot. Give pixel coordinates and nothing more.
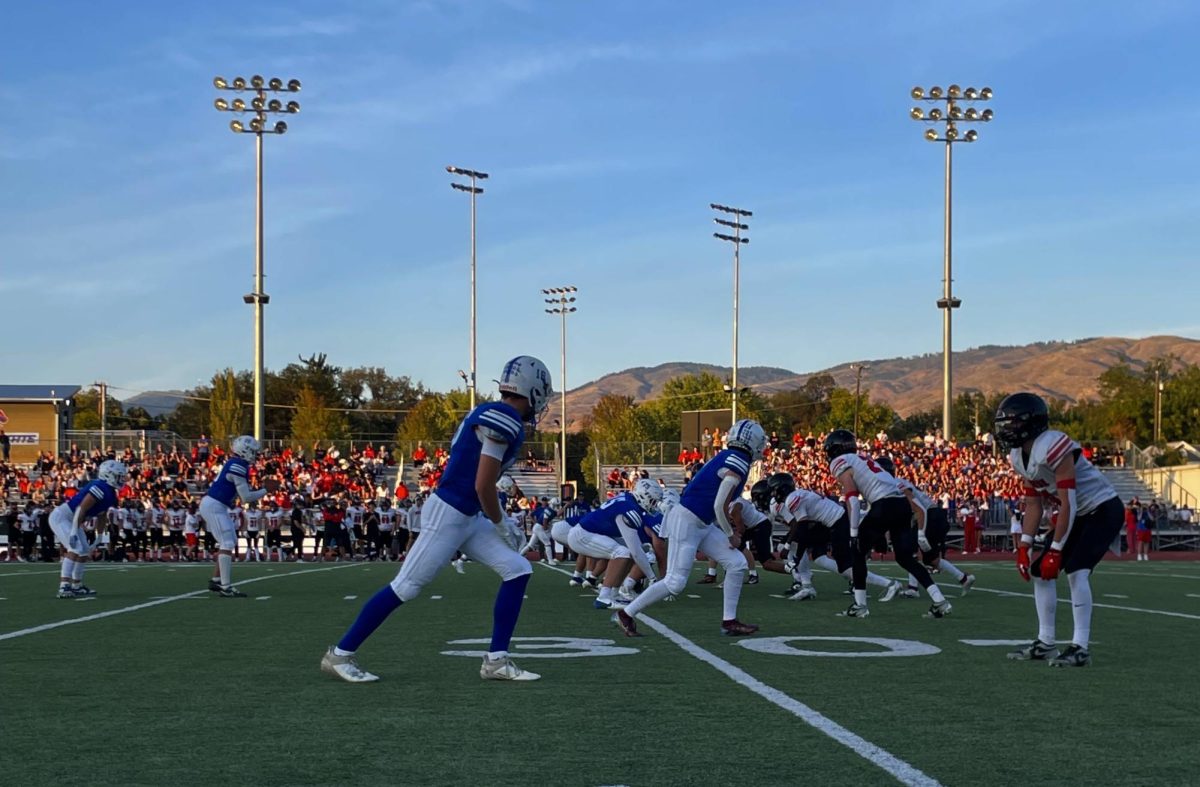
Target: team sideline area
(129, 687)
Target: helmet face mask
(760, 495)
(840, 442)
(781, 485)
(648, 494)
(246, 447)
(1020, 418)
(112, 472)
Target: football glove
(923, 542)
(1051, 563)
(510, 533)
(1023, 561)
(789, 565)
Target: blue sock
(506, 611)
(373, 613)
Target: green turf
(226, 691)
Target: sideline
(157, 602)
(899, 769)
(1013, 594)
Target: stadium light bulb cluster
(260, 104)
(952, 113)
(738, 224)
(474, 190)
(561, 298)
(474, 175)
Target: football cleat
(1072, 656)
(214, 585)
(707, 579)
(66, 593)
(890, 591)
(504, 669)
(625, 595)
(803, 594)
(736, 628)
(231, 592)
(458, 566)
(627, 623)
(1035, 651)
(576, 582)
(795, 588)
(83, 591)
(592, 582)
(939, 610)
(966, 582)
(910, 592)
(855, 611)
(752, 579)
(598, 604)
(345, 667)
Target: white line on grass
(1012, 594)
(155, 603)
(899, 769)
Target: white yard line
(155, 603)
(1012, 594)
(897, 768)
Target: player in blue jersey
(638, 580)
(92, 500)
(701, 521)
(615, 532)
(464, 514)
(571, 515)
(232, 482)
(539, 535)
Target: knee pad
(734, 563)
(514, 567)
(406, 591)
(675, 584)
(621, 553)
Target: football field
(156, 681)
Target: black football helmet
(760, 495)
(840, 442)
(887, 464)
(1019, 418)
(781, 485)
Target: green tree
(225, 419)
(87, 410)
(661, 416)
(872, 416)
(313, 420)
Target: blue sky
(126, 241)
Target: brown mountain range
(1063, 370)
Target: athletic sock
(712, 572)
(731, 592)
(1081, 606)
(577, 575)
(1045, 597)
(951, 569)
(590, 575)
(877, 580)
(68, 571)
(829, 564)
(225, 566)
(628, 583)
(860, 597)
(77, 573)
(507, 610)
(606, 593)
(372, 615)
(653, 594)
(912, 581)
(935, 594)
(753, 572)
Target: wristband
(1026, 539)
(1056, 546)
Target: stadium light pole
(951, 115)
(260, 107)
(738, 225)
(560, 300)
(858, 368)
(473, 190)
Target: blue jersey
(700, 495)
(574, 512)
(652, 523)
(603, 520)
(105, 497)
(541, 514)
(503, 501)
(457, 485)
(224, 489)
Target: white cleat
(458, 566)
(804, 594)
(504, 669)
(345, 667)
(891, 591)
(625, 596)
(967, 582)
(910, 592)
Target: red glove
(1023, 561)
(1051, 563)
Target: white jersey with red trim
(1049, 449)
(804, 505)
(253, 519)
(387, 520)
(751, 516)
(923, 500)
(175, 519)
(872, 481)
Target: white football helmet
(113, 473)
(527, 376)
(506, 485)
(246, 447)
(670, 499)
(647, 493)
(555, 503)
(748, 436)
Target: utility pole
(858, 370)
(103, 405)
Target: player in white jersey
(273, 519)
(414, 521)
(932, 526)
(191, 533)
(176, 520)
(816, 524)
(1090, 516)
(253, 517)
(387, 527)
(890, 514)
(156, 517)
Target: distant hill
(155, 402)
(1063, 370)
